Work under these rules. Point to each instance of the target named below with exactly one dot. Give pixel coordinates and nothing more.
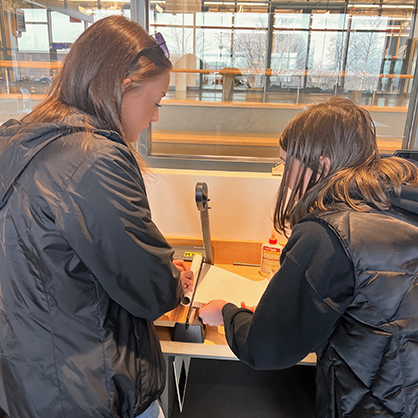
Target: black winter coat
(348, 290)
(369, 365)
(83, 273)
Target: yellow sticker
(190, 254)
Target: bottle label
(272, 250)
(270, 262)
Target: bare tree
(250, 48)
(358, 67)
(289, 51)
(181, 41)
(364, 54)
(327, 72)
(364, 58)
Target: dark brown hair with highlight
(345, 134)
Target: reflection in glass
(257, 64)
(38, 35)
(241, 70)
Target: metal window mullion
(308, 50)
(269, 46)
(410, 139)
(139, 12)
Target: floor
(221, 388)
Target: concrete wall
(390, 122)
(223, 119)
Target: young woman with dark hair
(83, 269)
(347, 287)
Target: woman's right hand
(211, 313)
(251, 308)
(187, 278)
(186, 275)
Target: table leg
(168, 396)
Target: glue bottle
(270, 256)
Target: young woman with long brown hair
(83, 269)
(347, 287)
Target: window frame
(140, 13)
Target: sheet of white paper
(216, 283)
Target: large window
(241, 69)
(244, 69)
(36, 37)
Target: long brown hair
(90, 79)
(345, 134)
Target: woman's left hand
(211, 313)
(181, 265)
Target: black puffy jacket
(369, 367)
(83, 273)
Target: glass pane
(245, 20)
(214, 19)
(364, 55)
(65, 29)
(237, 84)
(248, 49)
(240, 71)
(35, 15)
(291, 20)
(36, 41)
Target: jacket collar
(21, 142)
